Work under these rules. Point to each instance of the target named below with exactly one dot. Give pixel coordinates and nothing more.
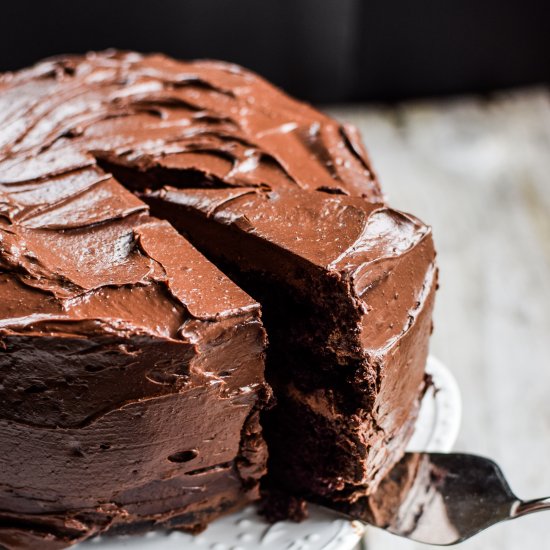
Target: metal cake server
(442, 499)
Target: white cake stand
(436, 430)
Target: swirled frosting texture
(131, 368)
(132, 372)
(212, 121)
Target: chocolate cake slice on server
(347, 290)
(282, 199)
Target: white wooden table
(478, 170)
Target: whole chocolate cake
(132, 354)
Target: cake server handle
(441, 499)
(529, 506)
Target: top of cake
(62, 119)
(210, 119)
(71, 231)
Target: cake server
(442, 499)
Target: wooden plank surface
(478, 170)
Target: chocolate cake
(131, 376)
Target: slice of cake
(347, 291)
(133, 373)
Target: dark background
(321, 50)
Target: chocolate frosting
(211, 120)
(131, 369)
(348, 336)
(153, 421)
